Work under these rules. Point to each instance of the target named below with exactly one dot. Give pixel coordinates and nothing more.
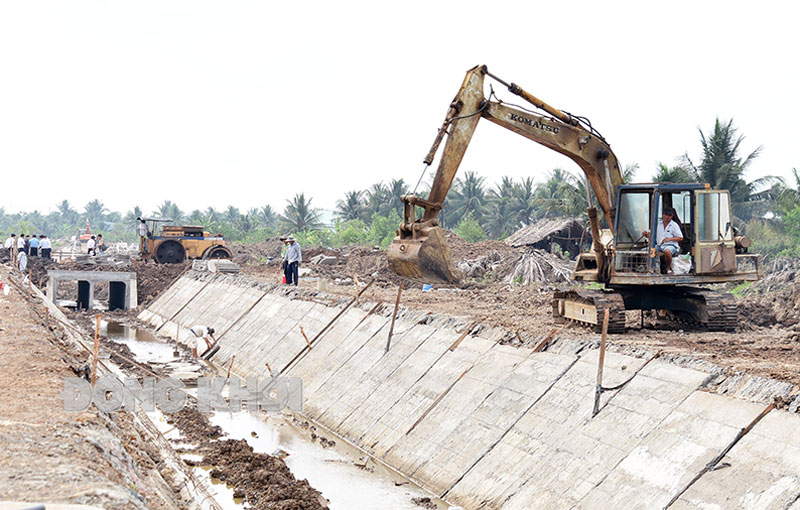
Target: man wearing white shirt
(90, 246)
(21, 243)
(293, 258)
(45, 246)
(668, 235)
(10, 242)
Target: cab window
(714, 217)
(634, 216)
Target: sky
(248, 103)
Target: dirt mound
(258, 253)
(775, 299)
(264, 481)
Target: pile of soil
(259, 253)
(775, 299)
(264, 481)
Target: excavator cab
(704, 217)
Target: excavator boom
(419, 252)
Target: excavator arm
(419, 251)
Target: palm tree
(68, 214)
(95, 212)
(677, 173)
(524, 203)
(267, 216)
(468, 196)
(169, 210)
(789, 197)
(723, 168)
(394, 190)
(351, 208)
(298, 215)
(629, 172)
(560, 195)
(500, 219)
(377, 198)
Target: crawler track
(588, 306)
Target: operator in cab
(668, 237)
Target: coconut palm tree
(168, 209)
(677, 173)
(394, 190)
(351, 207)
(500, 220)
(723, 167)
(560, 195)
(95, 212)
(524, 202)
(468, 196)
(298, 215)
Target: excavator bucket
(423, 257)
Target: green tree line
(767, 208)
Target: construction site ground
(506, 287)
(97, 459)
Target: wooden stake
(230, 367)
(379, 303)
(394, 315)
(438, 399)
(599, 387)
(268, 369)
(96, 351)
(463, 336)
(304, 336)
(355, 280)
(547, 339)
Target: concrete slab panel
(764, 470)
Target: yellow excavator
(623, 259)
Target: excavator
(623, 271)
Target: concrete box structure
(121, 287)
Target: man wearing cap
(668, 235)
(293, 259)
(203, 344)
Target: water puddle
(344, 476)
(145, 346)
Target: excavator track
(588, 307)
(721, 313)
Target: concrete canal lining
(485, 425)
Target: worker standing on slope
(293, 258)
(203, 343)
(10, 244)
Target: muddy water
(338, 472)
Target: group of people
(291, 256)
(24, 246)
(96, 245)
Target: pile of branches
(539, 266)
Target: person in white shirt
(45, 246)
(21, 243)
(90, 246)
(10, 242)
(144, 233)
(293, 258)
(668, 235)
(203, 344)
(22, 261)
